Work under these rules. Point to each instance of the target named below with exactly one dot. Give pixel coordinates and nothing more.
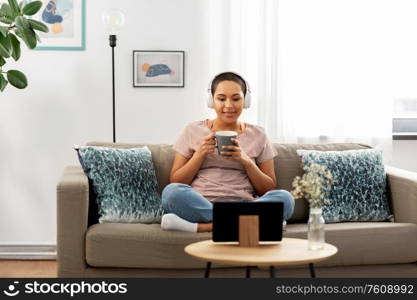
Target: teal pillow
(359, 192)
(124, 182)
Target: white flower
(315, 185)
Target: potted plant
(16, 25)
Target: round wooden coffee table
(285, 253)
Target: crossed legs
(186, 203)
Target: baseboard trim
(29, 252)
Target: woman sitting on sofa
(200, 175)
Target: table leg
(312, 272)
(247, 271)
(272, 271)
(207, 273)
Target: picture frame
(66, 22)
(158, 68)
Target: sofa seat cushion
(140, 246)
(147, 246)
(362, 243)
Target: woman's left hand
(237, 153)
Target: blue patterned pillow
(359, 193)
(125, 183)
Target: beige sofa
(366, 249)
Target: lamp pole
(113, 20)
(112, 40)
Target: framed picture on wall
(66, 22)
(158, 68)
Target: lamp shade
(113, 20)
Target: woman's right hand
(207, 145)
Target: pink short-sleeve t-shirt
(220, 178)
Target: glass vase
(316, 229)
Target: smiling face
(228, 101)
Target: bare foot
(204, 227)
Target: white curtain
(320, 71)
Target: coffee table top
(289, 251)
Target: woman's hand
(207, 146)
(237, 153)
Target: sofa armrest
(402, 186)
(72, 221)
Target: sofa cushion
(147, 246)
(361, 243)
(140, 245)
(288, 165)
(125, 183)
(359, 192)
(162, 158)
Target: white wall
(68, 101)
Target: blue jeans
(182, 200)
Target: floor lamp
(113, 20)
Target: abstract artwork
(66, 22)
(158, 68)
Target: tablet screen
(226, 219)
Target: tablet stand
(249, 230)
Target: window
(404, 121)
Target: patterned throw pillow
(359, 193)
(125, 183)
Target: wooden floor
(28, 268)
(48, 269)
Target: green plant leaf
(3, 82)
(38, 25)
(17, 79)
(15, 46)
(32, 8)
(3, 30)
(6, 11)
(28, 36)
(6, 14)
(18, 33)
(22, 23)
(2, 61)
(6, 20)
(15, 7)
(22, 4)
(38, 38)
(5, 46)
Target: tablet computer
(226, 219)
